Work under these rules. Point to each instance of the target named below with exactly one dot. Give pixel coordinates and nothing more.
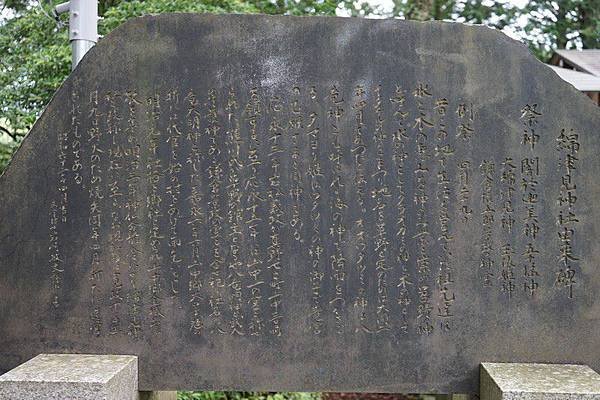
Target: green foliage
(247, 396)
(6, 150)
(562, 24)
(125, 10)
(16, 5)
(496, 13)
(34, 60)
(297, 7)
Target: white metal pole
(83, 26)
(79, 47)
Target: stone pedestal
(72, 377)
(512, 381)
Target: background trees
(560, 24)
(35, 53)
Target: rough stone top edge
(72, 368)
(125, 29)
(533, 364)
(357, 20)
(131, 28)
(569, 378)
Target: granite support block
(72, 377)
(522, 381)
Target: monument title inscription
(256, 202)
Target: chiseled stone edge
(488, 389)
(509, 381)
(121, 384)
(124, 385)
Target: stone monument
(305, 203)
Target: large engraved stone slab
(253, 202)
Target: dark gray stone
(283, 203)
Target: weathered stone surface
(281, 203)
(73, 377)
(507, 381)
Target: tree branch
(13, 136)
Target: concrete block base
(508, 381)
(73, 377)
